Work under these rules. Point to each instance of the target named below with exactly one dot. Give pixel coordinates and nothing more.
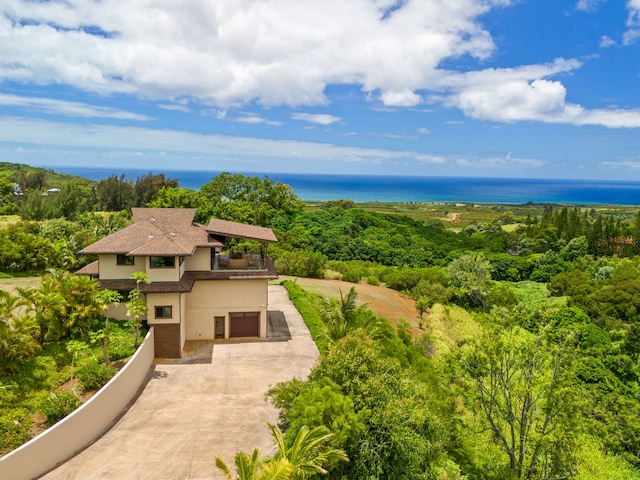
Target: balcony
(237, 261)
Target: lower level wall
(78, 430)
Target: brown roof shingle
(240, 230)
(155, 231)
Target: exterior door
(219, 327)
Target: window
(165, 311)
(125, 260)
(162, 262)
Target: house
(199, 288)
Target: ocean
(321, 187)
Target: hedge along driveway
(190, 411)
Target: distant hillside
(29, 177)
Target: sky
(469, 88)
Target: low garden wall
(79, 429)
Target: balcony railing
(237, 261)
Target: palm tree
(252, 467)
(345, 316)
(307, 456)
(18, 333)
(309, 453)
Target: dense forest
(522, 361)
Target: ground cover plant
(50, 385)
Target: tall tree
(137, 305)
(519, 386)
(106, 299)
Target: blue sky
(493, 88)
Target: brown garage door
(246, 324)
(167, 340)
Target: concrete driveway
(209, 403)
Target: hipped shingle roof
(155, 231)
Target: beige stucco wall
(109, 270)
(210, 299)
(163, 274)
(78, 430)
(200, 261)
(163, 299)
(119, 312)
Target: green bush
(301, 264)
(93, 374)
(373, 280)
(14, 428)
(120, 341)
(306, 304)
(59, 405)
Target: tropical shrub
(58, 405)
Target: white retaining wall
(78, 430)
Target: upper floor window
(162, 262)
(125, 260)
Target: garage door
(246, 324)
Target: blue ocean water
(321, 187)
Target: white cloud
(116, 139)
(319, 118)
(525, 94)
(232, 52)
(606, 42)
(631, 36)
(67, 108)
(510, 94)
(633, 165)
(256, 119)
(423, 131)
(633, 22)
(588, 5)
(175, 107)
(634, 12)
(501, 162)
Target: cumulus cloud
(233, 52)
(526, 94)
(67, 108)
(319, 118)
(510, 94)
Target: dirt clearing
(382, 301)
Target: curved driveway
(210, 403)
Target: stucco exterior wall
(164, 274)
(200, 261)
(163, 299)
(76, 431)
(110, 270)
(119, 312)
(210, 299)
